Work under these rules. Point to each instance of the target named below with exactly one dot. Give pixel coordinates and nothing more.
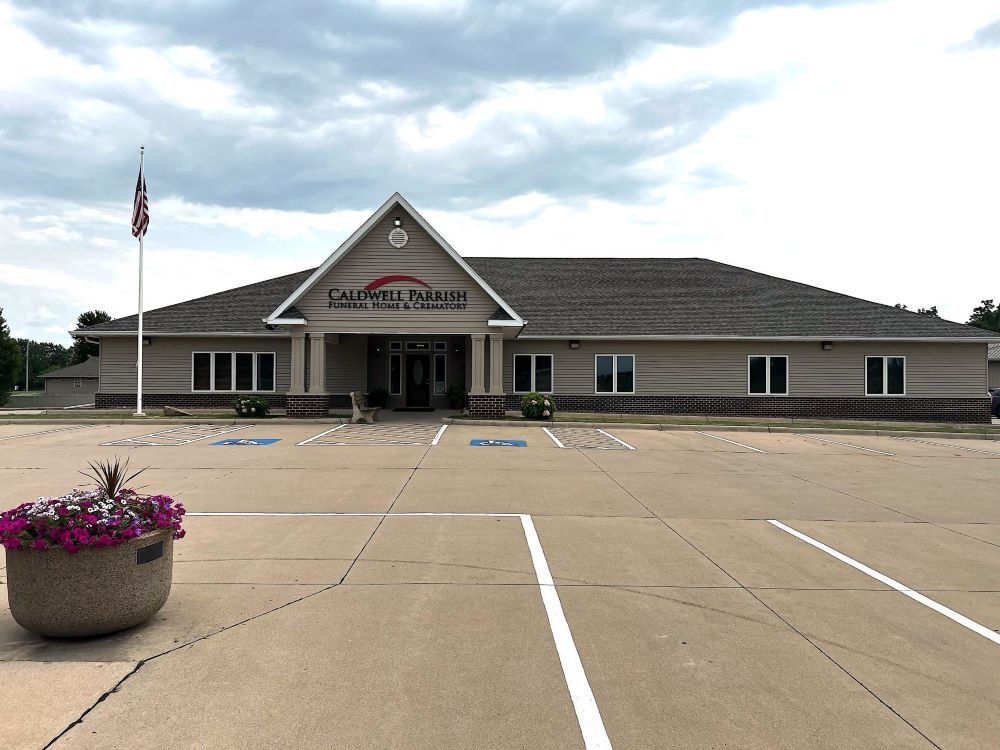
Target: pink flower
(12, 542)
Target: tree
(987, 316)
(10, 360)
(82, 349)
(43, 357)
(931, 311)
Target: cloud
(847, 144)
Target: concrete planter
(91, 592)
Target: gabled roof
(281, 313)
(89, 369)
(692, 298)
(239, 310)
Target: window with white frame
(767, 374)
(232, 371)
(885, 376)
(440, 374)
(614, 373)
(77, 382)
(533, 372)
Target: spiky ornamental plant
(109, 477)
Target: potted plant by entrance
(456, 396)
(91, 561)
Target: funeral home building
(396, 307)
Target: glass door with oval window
(418, 380)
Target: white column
(317, 363)
(496, 364)
(298, 384)
(478, 364)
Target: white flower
(545, 413)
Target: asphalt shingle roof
(88, 369)
(237, 310)
(566, 297)
(688, 297)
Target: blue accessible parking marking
(500, 443)
(247, 441)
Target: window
(77, 382)
(767, 374)
(395, 374)
(614, 373)
(533, 372)
(440, 346)
(395, 346)
(440, 379)
(418, 346)
(232, 371)
(885, 376)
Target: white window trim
(389, 374)
(767, 374)
(614, 374)
(232, 373)
(434, 372)
(415, 344)
(77, 382)
(885, 373)
(395, 346)
(441, 346)
(539, 354)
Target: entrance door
(418, 380)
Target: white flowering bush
(538, 406)
(251, 407)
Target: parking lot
(395, 586)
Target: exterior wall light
(827, 345)
(397, 222)
(146, 341)
(574, 344)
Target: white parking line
(617, 440)
(437, 438)
(47, 432)
(951, 614)
(554, 438)
(727, 440)
(588, 715)
(945, 445)
(846, 445)
(322, 434)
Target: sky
(849, 145)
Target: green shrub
(538, 406)
(4, 395)
(251, 406)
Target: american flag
(140, 209)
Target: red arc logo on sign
(393, 278)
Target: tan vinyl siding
(167, 361)
(372, 258)
(720, 368)
(56, 386)
(345, 364)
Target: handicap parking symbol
(247, 441)
(499, 443)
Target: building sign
(374, 297)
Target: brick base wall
(307, 405)
(205, 400)
(971, 410)
(487, 406)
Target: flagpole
(138, 365)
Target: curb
(728, 428)
(179, 421)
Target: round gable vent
(398, 237)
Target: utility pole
(27, 362)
